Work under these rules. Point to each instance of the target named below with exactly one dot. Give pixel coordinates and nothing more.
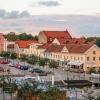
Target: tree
(52, 93)
(23, 58)
(98, 42)
(92, 70)
(11, 36)
(23, 36)
(13, 56)
(53, 64)
(32, 59)
(6, 55)
(28, 90)
(42, 62)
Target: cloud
(77, 25)
(13, 14)
(48, 3)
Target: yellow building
(79, 56)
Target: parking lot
(60, 73)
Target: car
(24, 67)
(34, 70)
(4, 62)
(38, 71)
(18, 66)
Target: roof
(25, 43)
(10, 46)
(72, 48)
(78, 48)
(54, 48)
(58, 34)
(44, 46)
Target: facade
(10, 46)
(26, 47)
(3, 43)
(79, 56)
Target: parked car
(4, 62)
(18, 66)
(24, 67)
(38, 71)
(34, 70)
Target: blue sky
(80, 17)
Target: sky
(80, 17)
(52, 6)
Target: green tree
(42, 62)
(13, 56)
(98, 42)
(11, 36)
(23, 58)
(23, 36)
(32, 59)
(6, 55)
(53, 93)
(92, 70)
(53, 64)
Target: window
(71, 57)
(78, 58)
(93, 58)
(88, 58)
(94, 52)
(81, 58)
(74, 58)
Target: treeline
(12, 36)
(95, 39)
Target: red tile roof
(51, 35)
(72, 48)
(44, 46)
(58, 34)
(78, 48)
(55, 48)
(25, 43)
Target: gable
(93, 48)
(64, 49)
(55, 41)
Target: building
(49, 36)
(60, 46)
(3, 43)
(78, 56)
(10, 46)
(26, 47)
(63, 37)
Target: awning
(77, 63)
